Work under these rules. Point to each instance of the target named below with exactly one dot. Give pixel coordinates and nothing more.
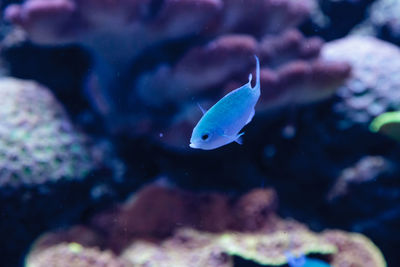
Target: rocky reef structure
(232, 232)
(215, 55)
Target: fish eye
(205, 136)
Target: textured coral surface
(122, 82)
(223, 39)
(186, 245)
(373, 86)
(38, 143)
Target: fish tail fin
(257, 86)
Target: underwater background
(98, 101)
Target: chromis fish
(221, 124)
(303, 261)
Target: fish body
(221, 124)
(303, 261)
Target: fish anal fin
(239, 139)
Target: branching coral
(159, 98)
(38, 143)
(291, 74)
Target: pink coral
(218, 39)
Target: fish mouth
(192, 145)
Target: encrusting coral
(205, 230)
(38, 143)
(73, 254)
(159, 98)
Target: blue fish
(221, 124)
(303, 261)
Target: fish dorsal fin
(257, 75)
(202, 109)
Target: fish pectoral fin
(251, 116)
(202, 109)
(239, 139)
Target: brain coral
(37, 141)
(375, 82)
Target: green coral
(388, 124)
(38, 143)
(216, 249)
(269, 249)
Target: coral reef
(73, 254)
(367, 170)
(131, 74)
(373, 86)
(355, 248)
(291, 74)
(43, 159)
(382, 21)
(208, 212)
(161, 98)
(185, 244)
(216, 249)
(38, 143)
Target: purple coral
(292, 72)
(38, 143)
